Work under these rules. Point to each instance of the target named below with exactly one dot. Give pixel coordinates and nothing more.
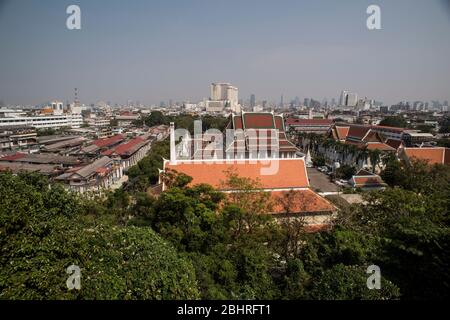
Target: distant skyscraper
(226, 93)
(252, 100)
(333, 102)
(352, 100)
(76, 101)
(306, 102)
(281, 101)
(348, 99)
(343, 98)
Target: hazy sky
(150, 51)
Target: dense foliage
(146, 172)
(186, 121)
(43, 231)
(394, 121)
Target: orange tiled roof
(368, 181)
(302, 201)
(291, 172)
(342, 132)
(379, 146)
(431, 155)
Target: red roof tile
(394, 143)
(108, 141)
(357, 131)
(13, 157)
(237, 123)
(279, 123)
(368, 181)
(126, 148)
(258, 120)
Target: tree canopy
(43, 231)
(394, 121)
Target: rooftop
(291, 173)
(436, 155)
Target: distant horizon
(153, 51)
(287, 100)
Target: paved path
(320, 181)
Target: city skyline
(154, 51)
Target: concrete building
(226, 94)
(57, 107)
(348, 99)
(20, 137)
(44, 121)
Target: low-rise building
(318, 126)
(17, 137)
(129, 153)
(96, 176)
(435, 155)
(413, 138)
(366, 180)
(44, 121)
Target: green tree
(345, 172)
(156, 118)
(43, 231)
(394, 121)
(413, 236)
(343, 282)
(146, 171)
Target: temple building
(250, 135)
(285, 179)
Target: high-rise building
(348, 99)
(306, 102)
(333, 102)
(352, 100)
(252, 100)
(225, 93)
(343, 98)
